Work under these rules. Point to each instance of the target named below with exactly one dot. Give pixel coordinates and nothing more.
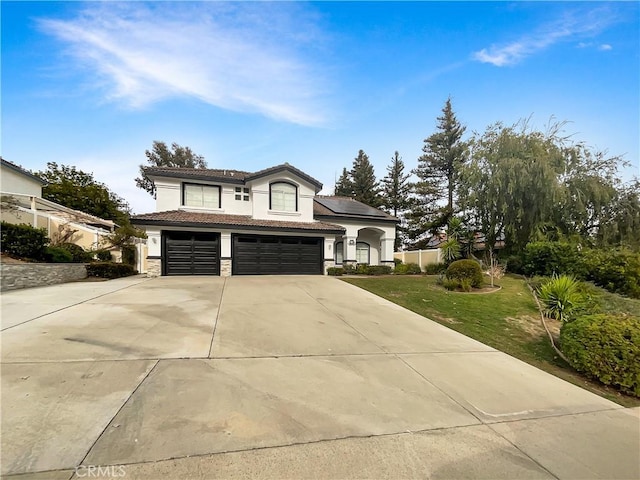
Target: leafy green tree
(621, 227)
(437, 171)
(162, 156)
(365, 187)
(76, 189)
(344, 185)
(588, 185)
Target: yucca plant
(561, 297)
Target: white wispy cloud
(236, 56)
(576, 24)
(604, 47)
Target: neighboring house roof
(200, 219)
(228, 176)
(478, 241)
(19, 169)
(335, 207)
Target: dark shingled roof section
(232, 176)
(185, 218)
(320, 210)
(286, 166)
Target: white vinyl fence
(421, 257)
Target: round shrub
(605, 347)
(465, 270)
(57, 255)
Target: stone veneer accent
(154, 267)
(26, 275)
(328, 264)
(225, 267)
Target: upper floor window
(283, 196)
(196, 195)
(242, 193)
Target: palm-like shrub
(562, 297)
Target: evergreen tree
(344, 186)
(437, 172)
(395, 187)
(365, 187)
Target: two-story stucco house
(228, 222)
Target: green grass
(507, 320)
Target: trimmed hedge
(407, 269)
(435, 268)
(378, 269)
(335, 271)
(605, 347)
(103, 255)
(57, 255)
(23, 241)
(547, 258)
(465, 270)
(110, 270)
(616, 270)
(78, 254)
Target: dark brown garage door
(191, 253)
(273, 255)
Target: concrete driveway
(280, 377)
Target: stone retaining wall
(26, 275)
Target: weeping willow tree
(511, 183)
(522, 185)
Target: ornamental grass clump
(562, 297)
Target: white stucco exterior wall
(169, 197)
(14, 182)
(260, 191)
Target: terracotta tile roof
(186, 218)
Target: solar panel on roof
(350, 207)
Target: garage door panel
(194, 253)
(255, 255)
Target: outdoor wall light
(352, 242)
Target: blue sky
(252, 85)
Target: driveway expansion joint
(117, 412)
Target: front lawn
(507, 320)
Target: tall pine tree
(396, 190)
(344, 186)
(437, 171)
(365, 187)
(395, 187)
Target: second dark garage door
(273, 255)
